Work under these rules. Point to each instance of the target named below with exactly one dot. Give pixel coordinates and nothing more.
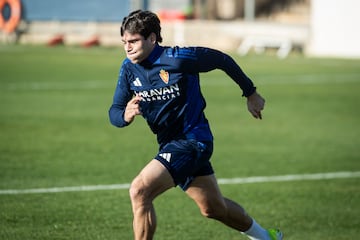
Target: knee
(137, 191)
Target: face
(138, 48)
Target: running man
(162, 85)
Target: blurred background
(59, 65)
(313, 27)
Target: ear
(153, 38)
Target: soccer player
(162, 85)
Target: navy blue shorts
(186, 159)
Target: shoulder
(126, 63)
(125, 68)
(181, 52)
(190, 53)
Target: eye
(134, 41)
(131, 41)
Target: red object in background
(56, 40)
(10, 25)
(171, 15)
(94, 41)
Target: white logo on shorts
(166, 156)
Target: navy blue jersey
(168, 82)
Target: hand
(132, 109)
(255, 104)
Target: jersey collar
(153, 57)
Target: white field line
(260, 79)
(286, 178)
(260, 179)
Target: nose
(127, 46)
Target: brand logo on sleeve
(137, 82)
(164, 75)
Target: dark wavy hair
(143, 23)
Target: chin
(134, 60)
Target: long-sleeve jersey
(168, 82)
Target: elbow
(114, 122)
(116, 118)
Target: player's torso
(172, 102)
(162, 87)
(160, 83)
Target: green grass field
(54, 132)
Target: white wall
(335, 28)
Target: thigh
(205, 191)
(153, 179)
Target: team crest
(164, 75)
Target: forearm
(116, 116)
(234, 71)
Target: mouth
(134, 58)
(131, 53)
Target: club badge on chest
(164, 75)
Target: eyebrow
(131, 40)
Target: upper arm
(207, 59)
(122, 96)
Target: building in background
(334, 29)
(76, 11)
(318, 27)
